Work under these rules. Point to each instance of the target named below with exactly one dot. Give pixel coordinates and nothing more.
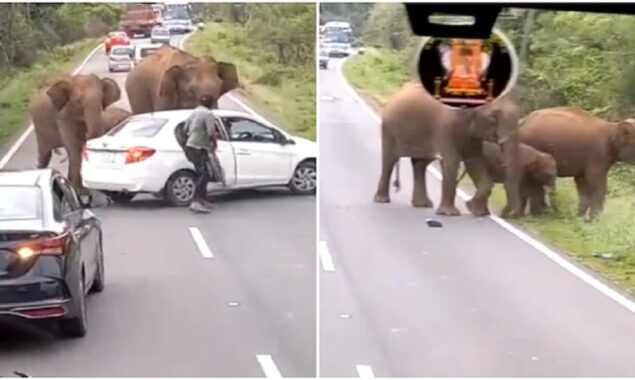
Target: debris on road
(433, 223)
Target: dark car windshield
(140, 126)
(20, 203)
(160, 32)
(122, 51)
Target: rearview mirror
(286, 141)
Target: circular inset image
(466, 73)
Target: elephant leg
(583, 195)
(420, 192)
(597, 194)
(477, 170)
(388, 161)
(450, 169)
(44, 158)
(537, 202)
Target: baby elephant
(538, 171)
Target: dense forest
(569, 58)
(28, 30)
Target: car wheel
(304, 180)
(120, 197)
(180, 188)
(76, 327)
(100, 277)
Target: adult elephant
(174, 79)
(585, 147)
(415, 125)
(67, 112)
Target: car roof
(184, 114)
(31, 177)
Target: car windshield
(122, 51)
(20, 202)
(139, 126)
(117, 35)
(160, 32)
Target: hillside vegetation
(568, 58)
(41, 40)
(275, 60)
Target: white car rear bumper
(132, 178)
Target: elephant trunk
(94, 122)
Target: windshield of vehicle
(139, 126)
(160, 32)
(20, 202)
(144, 52)
(341, 37)
(117, 35)
(122, 51)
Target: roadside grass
(17, 85)
(375, 76)
(285, 95)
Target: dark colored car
(51, 253)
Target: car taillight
(138, 154)
(43, 246)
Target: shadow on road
(146, 202)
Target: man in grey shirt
(201, 142)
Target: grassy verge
(283, 95)
(376, 76)
(16, 86)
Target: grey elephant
(175, 79)
(415, 125)
(585, 147)
(68, 111)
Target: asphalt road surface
(169, 311)
(398, 298)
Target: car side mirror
(288, 142)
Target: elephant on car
(585, 147)
(538, 173)
(416, 125)
(68, 111)
(175, 79)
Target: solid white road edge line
(325, 257)
(365, 372)
(16, 146)
(268, 367)
(202, 246)
(540, 247)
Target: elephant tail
(397, 182)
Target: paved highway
(169, 311)
(398, 298)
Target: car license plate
(106, 158)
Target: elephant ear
(111, 90)
(228, 73)
(170, 81)
(59, 93)
(624, 130)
